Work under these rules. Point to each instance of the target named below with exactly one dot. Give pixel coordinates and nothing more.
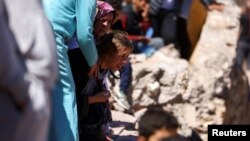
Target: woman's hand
(144, 39)
(94, 70)
(101, 97)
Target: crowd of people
(56, 57)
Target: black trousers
(183, 42)
(98, 136)
(164, 25)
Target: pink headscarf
(103, 9)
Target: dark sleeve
(84, 103)
(12, 74)
(207, 2)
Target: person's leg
(137, 47)
(125, 82)
(98, 135)
(155, 24)
(168, 27)
(156, 43)
(126, 77)
(182, 38)
(140, 47)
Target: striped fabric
(155, 6)
(89, 90)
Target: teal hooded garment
(69, 17)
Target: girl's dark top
(90, 116)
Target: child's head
(104, 18)
(157, 124)
(114, 50)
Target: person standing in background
(163, 16)
(136, 25)
(183, 42)
(28, 71)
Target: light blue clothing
(69, 17)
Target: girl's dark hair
(114, 43)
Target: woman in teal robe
(69, 17)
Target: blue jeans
(126, 77)
(149, 48)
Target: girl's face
(139, 4)
(115, 62)
(102, 25)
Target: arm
(104, 94)
(138, 38)
(85, 100)
(85, 12)
(100, 97)
(42, 61)
(12, 74)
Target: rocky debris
(123, 127)
(204, 91)
(170, 51)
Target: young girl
(92, 93)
